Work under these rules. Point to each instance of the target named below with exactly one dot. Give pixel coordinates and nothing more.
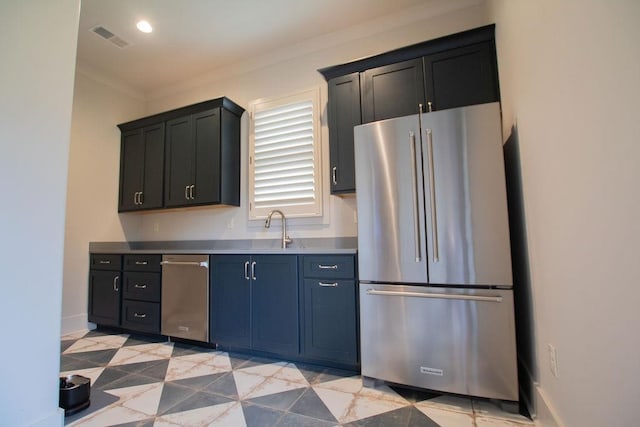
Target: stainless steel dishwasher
(185, 296)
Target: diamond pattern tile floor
(141, 381)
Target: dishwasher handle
(204, 264)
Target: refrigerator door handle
(432, 195)
(416, 209)
(436, 296)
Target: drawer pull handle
(328, 285)
(115, 284)
(140, 286)
(104, 262)
(328, 267)
(140, 316)
(141, 263)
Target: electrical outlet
(553, 360)
(156, 227)
(355, 217)
(230, 224)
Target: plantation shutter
(283, 156)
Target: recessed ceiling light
(144, 26)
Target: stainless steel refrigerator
(436, 297)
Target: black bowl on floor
(75, 391)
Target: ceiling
(194, 37)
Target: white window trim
(314, 209)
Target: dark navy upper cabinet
(392, 90)
(141, 168)
(183, 157)
(203, 159)
(254, 302)
(344, 113)
(463, 76)
(451, 71)
(330, 314)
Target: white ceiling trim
(430, 9)
(100, 77)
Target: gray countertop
(323, 245)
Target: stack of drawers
(141, 293)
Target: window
(284, 163)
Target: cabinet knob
(429, 106)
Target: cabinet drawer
(141, 316)
(105, 262)
(329, 266)
(142, 286)
(142, 263)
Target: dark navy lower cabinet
(330, 323)
(125, 291)
(329, 312)
(254, 302)
(105, 289)
(104, 297)
(230, 301)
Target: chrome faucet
(285, 239)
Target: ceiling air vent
(108, 35)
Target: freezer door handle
(436, 296)
(416, 209)
(432, 194)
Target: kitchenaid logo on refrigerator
(431, 371)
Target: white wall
(37, 47)
(256, 78)
(570, 82)
(99, 105)
(92, 187)
(283, 72)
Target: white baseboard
(74, 323)
(546, 416)
(56, 418)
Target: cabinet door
(153, 170)
(344, 114)
(462, 76)
(274, 299)
(392, 90)
(141, 168)
(104, 297)
(206, 134)
(131, 169)
(178, 166)
(230, 300)
(330, 320)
